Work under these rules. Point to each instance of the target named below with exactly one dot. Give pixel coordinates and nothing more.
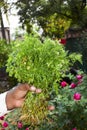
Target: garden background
(54, 42)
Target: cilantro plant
(39, 64)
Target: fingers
(26, 87)
(32, 89)
(38, 90)
(23, 87)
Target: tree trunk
(2, 26)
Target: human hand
(16, 96)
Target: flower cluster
(74, 84)
(77, 95)
(4, 124)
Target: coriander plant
(41, 64)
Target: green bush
(9, 82)
(4, 51)
(39, 64)
(78, 45)
(71, 111)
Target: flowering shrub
(70, 105)
(68, 113)
(11, 122)
(3, 124)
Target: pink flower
(27, 128)
(63, 84)
(1, 117)
(5, 124)
(73, 85)
(19, 125)
(77, 96)
(79, 77)
(74, 129)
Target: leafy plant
(4, 51)
(70, 105)
(39, 64)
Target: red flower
(19, 125)
(1, 117)
(27, 128)
(73, 85)
(63, 84)
(74, 129)
(77, 96)
(5, 124)
(79, 77)
(63, 41)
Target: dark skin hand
(16, 96)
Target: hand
(16, 96)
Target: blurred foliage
(78, 45)
(5, 49)
(43, 13)
(6, 82)
(54, 26)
